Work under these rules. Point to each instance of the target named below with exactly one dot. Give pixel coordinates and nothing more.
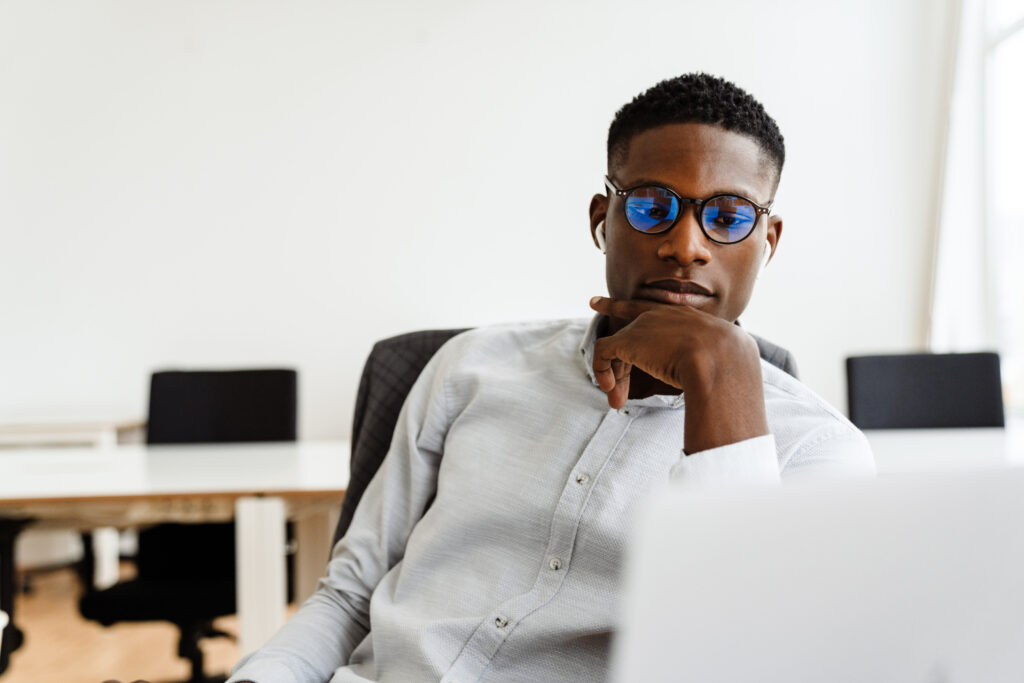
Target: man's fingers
(609, 372)
(603, 372)
(605, 378)
(623, 309)
(615, 383)
(612, 373)
(620, 393)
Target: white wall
(202, 184)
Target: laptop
(904, 579)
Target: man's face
(682, 266)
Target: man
(488, 547)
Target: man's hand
(715, 363)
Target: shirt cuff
(751, 462)
(266, 671)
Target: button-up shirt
(489, 545)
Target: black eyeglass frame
(699, 203)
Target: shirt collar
(597, 327)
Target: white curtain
(977, 297)
(960, 320)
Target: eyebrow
(641, 182)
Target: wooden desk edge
(172, 495)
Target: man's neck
(642, 385)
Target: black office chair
(186, 572)
(12, 635)
(389, 373)
(925, 390)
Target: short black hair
(696, 98)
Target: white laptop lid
(906, 579)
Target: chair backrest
(216, 406)
(392, 368)
(925, 390)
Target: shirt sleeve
(750, 462)
(839, 451)
(321, 636)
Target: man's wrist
(727, 405)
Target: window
(1004, 156)
(978, 287)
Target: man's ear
(774, 234)
(598, 211)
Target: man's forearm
(311, 645)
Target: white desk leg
(313, 534)
(106, 553)
(260, 569)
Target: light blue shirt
(501, 560)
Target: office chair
(186, 572)
(389, 373)
(12, 635)
(925, 390)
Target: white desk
(900, 451)
(56, 546)
(260, 485)
(82, 432)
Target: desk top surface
(322, 467)
(139, 472)
(932, 450)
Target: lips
(677, 292)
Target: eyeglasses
(724, 218)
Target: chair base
(188, 647)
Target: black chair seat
(164, 556)
(159, 600)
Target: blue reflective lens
(651, 209)
(728, 218)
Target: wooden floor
(61, 646)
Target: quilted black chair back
(392, 368)
(925, 390)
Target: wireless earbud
(765, 257)
(599, 235)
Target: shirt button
(582, 478)
(555, 563)
(623, 411)
(501, 622)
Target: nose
(685, 242)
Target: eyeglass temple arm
(608, 183)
